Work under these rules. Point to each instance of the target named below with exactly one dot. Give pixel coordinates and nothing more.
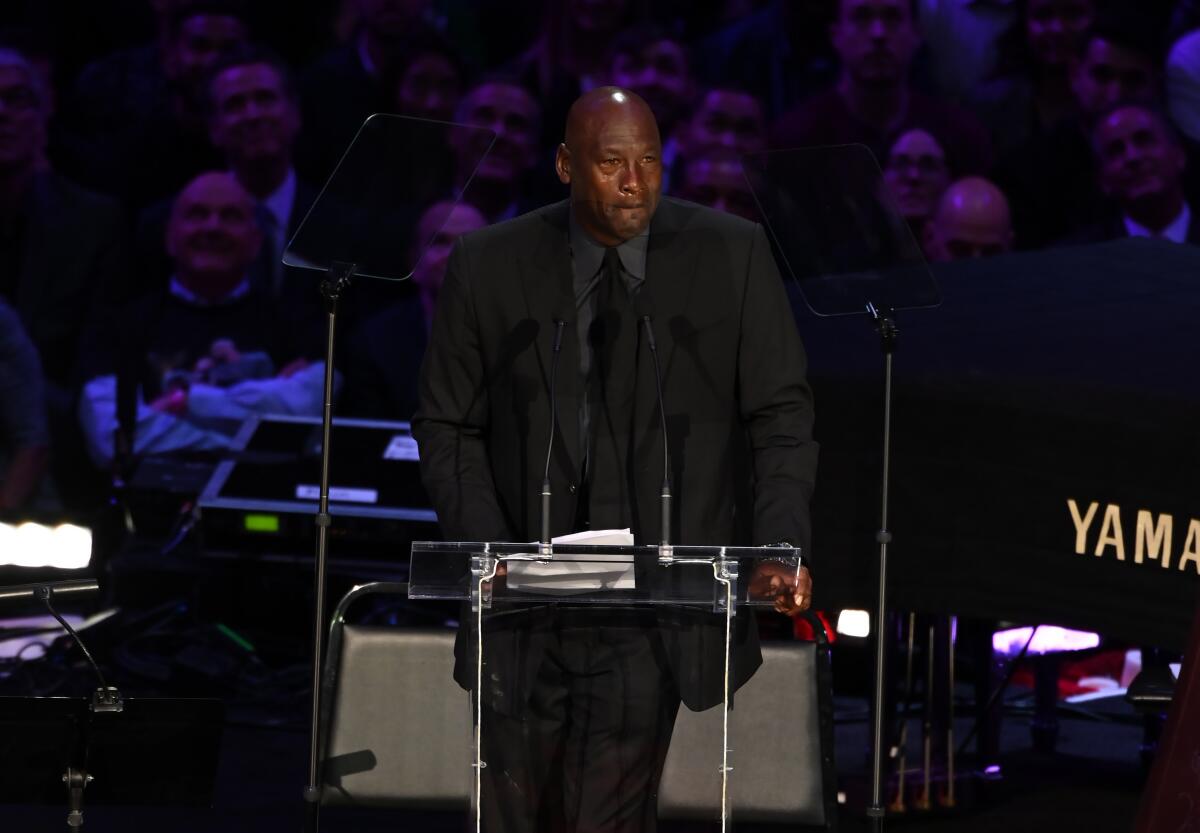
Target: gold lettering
(1110, 532)
(1081, 524)
(1191, 547)
(1153, 539)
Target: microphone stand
(105, 699)
(885, 325)
(546, 548)
(664, 547)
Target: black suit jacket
(739, 411)
(73, 260)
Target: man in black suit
(253, 114)
(1141, 165)
(579, 704)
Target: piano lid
(1046, 443)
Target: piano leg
(898, 806)
(925, 798)
(946, 799)
(1045, 711)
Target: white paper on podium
(577, 573)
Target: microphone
(559, 324)
(642, 310)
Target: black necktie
(613, 341)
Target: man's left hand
(791, 590)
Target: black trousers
(586, 753)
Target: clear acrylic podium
(498, 579)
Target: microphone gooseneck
(665, 496)
(546, 493)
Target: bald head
(972, 220)
(605, 105)
(612, 160)
(212, 235)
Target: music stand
(395, 169)
(839, 236)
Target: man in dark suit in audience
(1141, 164)
(874, 101)
(578, 704)
(135, 123)
(383, 355)
(253, 117)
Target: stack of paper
(577, 573)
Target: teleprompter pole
(886, 327)
(332, 287)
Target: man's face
(1138, 157)
(658, 73)
(1054, 29)
(916, 174)
(717, 181)
(513, 114)
(430, 88)
(730, 120)
(437, 230)
(201, 41)
(1109, 74)
(875, 39)
(615, 172)
(253, 117)
(212, 236)
(22, 120)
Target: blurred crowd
(157, 156)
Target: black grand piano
(1046, 463)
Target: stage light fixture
(854, 623)
(64, 547)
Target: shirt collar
(588, 253)
(1176, 231)
(186, 295)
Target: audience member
(964, 40)
(728, 118)
(512, 113)
(647, 60)
(972, 220)
(714, 177)
(1141, 164)
(570, 53)
(61, 248)
(429, 82)
(253, 119)
(1119, 62)
(24, 432)
(916, 175)
(140, 136)
(1052, 179)
(1030, 90)
(873, 101)
(199, 356)
(781, 51)
(1183, 85)
(346, 85)
(383, 356)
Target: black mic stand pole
(332, 287)
(886, 327)
(546, 548)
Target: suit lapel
(670, 273)
(546, 281)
